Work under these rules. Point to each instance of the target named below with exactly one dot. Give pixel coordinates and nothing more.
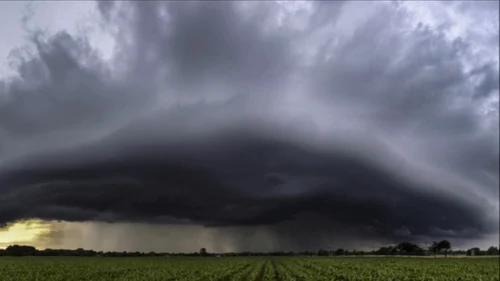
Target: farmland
(248, 268)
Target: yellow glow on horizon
(23, 232)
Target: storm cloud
(308, 121)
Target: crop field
(251, 268)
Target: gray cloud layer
(237, 114)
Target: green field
(253, 268)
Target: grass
(248, 268)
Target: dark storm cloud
(218, 179)
(223, 185)
(215, 114)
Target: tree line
(401, 249)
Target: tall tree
(492, 251)
(409, 248)
(203, 252)
(444, 245)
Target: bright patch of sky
(74, 17)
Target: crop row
(248, 269)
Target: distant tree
(339, 252)
(444, 245)
(393, 250)
(492, 251)
(409, 248)
(17, 250)
(473, 251)
(390, 250)
(382, 251)
(203, 252)
(322, 253)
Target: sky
(248, 126)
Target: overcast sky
(250, 125)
